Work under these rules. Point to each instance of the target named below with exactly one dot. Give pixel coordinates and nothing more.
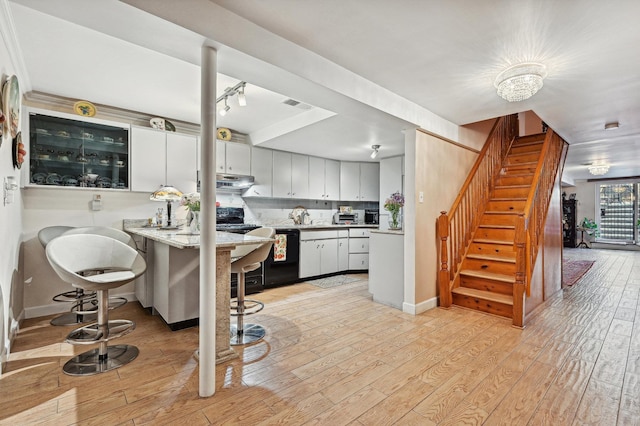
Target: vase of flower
(194, 226)
(192, 203)
(393, 204)
(395, 221)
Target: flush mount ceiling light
(598, 169)
(612, 125)
(520, 81)
(238, 89)
(375, 148)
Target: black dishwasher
(281, 266)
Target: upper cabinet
(89, 153)
(290, 175)
(233, 158)
(359, 181)
(162, 158)
(262, 172)
(324, 179)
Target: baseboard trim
(420, 307)
(59, 308)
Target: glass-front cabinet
(74, 153)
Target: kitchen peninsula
(173, 260)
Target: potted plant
(590, 227)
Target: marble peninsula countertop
(183, 239)
(388, 231)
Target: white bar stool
(112, 264)
(244, 259)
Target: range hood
(226, 182)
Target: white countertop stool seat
(244, 259)
(82, 310)
(111, 264)
(105, 231)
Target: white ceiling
(369, 68)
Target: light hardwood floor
(334, 357)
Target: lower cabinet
(318, 253)
(358, 249)
(343, 250)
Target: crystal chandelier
(598, 169)
(520, 81)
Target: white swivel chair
(82, 309)
(244, 259)
(112, 264)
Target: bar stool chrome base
(73, 318)
(251, 333)
(95, 333)
(90, 362)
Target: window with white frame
(618, 205)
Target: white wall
(10, 215)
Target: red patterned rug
(573, 270)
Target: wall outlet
(96, 203)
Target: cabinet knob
(230, 168)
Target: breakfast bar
(175, 264)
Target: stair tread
(490, 241)
(509, 199)
(483, 294)
(523, 154)
(528, 139)
(494, 257)
(488, 275)
(496, 226)
(511, 212)
(526, 164)
(512, 186)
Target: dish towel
(280, 248)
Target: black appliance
(371, 217)
(231, 219)
(285, 269)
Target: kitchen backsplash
(275, 212)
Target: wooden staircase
(488, 271)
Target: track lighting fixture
(223, 111)
(242, 99)
(375, 148)
(238, 89)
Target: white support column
(207, 348)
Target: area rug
(334, 281)
(573, 270)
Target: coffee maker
(371, 217)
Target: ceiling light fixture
(238, 89)
(242, 99)
(223, 111)
(598, 169)
(375, 148)
(611, 126)
(520, 81)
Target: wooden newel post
(521, 267)
(443, 273)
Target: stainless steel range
(231, 219)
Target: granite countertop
(388, 231)
(183, 239)
(323, 226)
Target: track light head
(223, 111)
(375, 148)
(242, 99)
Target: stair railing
(530, 224)
(456, 228)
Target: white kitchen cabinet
(162, 158)
(369, 181)
(343, 254)
(324, 179)
(359, 181)
(318, 253)
(359, 248)
(262, 171)
(290, 175)
(233, 158)
(391, 179)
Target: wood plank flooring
(334, 357)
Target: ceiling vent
(297, 104)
